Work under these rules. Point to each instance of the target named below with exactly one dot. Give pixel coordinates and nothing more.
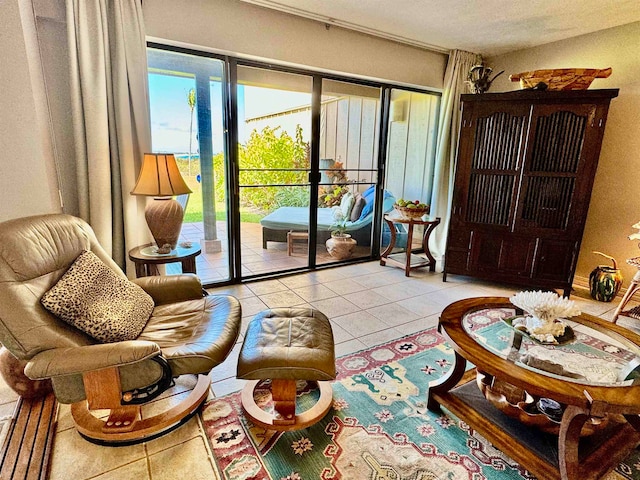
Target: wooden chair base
(124, 426)
(284, 399)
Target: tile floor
(367, 305)
(213, 267)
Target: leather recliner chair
(188, 333)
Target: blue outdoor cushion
(369, 192)
(368, 208)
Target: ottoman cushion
(288, 343)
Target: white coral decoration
(547, 306)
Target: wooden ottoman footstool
(285, 345)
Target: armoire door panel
(517, 256)
(499, 139)
(457, 261)
(558, 138)
(554, 167)
(491, 198)
(492, 154)
(555, 260)
(547, 201)
(485, 252)
(459, 237)
(505, 253)
(457, 256)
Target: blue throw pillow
(369, 192)
(368, 208)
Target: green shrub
(269, 149)
(220, 176)
(292, 197)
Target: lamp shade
(160, 177)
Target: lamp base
(164, 217)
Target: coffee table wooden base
(565, 457)
(619, 441)
(284, 395)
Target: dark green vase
(604, 283)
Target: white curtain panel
(110, 115)
(458, 67)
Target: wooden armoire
(525, 168)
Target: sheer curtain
(458, 67)
(109, 98)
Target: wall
(247, 30)
(28, 183)
(348, 135)
(615, 203)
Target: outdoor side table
(147, 262)
(407, 259)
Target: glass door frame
(314, 168)
(234, 162)
(203, 114)
(230, 117)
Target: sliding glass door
(411, 147)
(186, 106)
(280, 160)
(274, 134)
(349, 137)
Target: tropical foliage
(329, 196)
(271, 157)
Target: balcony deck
(213, 267)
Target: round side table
(146, 262)
(406, 259)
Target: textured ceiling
(489, 27)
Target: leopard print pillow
(91, 297)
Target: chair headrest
(34, 253)
(33, 246)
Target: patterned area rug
(379, 427)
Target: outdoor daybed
(278, 223)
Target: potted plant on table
(340, 246)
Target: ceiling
(489, 27)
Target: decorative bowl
(567, 337)
(560, 78)
(411, 213)
(518, 403)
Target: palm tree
(191, 100)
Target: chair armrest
(171, 288)
(76, 360)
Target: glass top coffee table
(563, 411)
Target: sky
(171, 115)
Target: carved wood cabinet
(525, 168)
